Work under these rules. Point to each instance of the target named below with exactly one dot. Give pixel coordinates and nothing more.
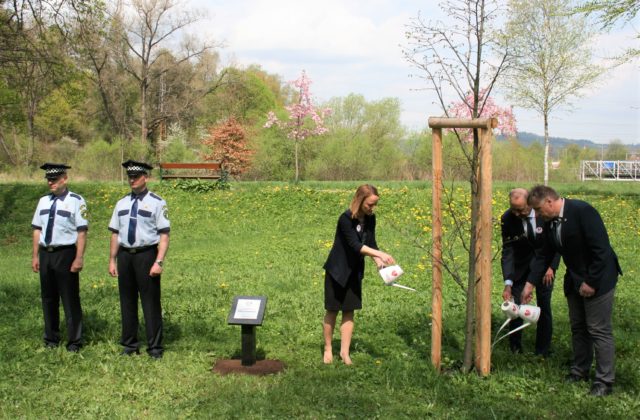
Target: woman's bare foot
(346, 359)
(328, 357)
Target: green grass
(272, 239)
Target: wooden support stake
(483, 236)
(480, 123)
(483, 291)
(436, 258)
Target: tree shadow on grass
(416, 332)
(21, 315)
(18, 301)
(97, 329)
(172, 331)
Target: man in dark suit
(577, 232)
(522, 234)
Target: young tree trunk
(469, 333)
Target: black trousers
(58, 283)
(544, 329)
(134, 280)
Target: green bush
(199, 186)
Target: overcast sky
(354, 46)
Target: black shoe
(544, 354)
(155, 355)
(129, 352)
(73, 348)
(599, 389)
(50, 345)
(573, 378)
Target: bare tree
(452, 57)
(552, 58)
(147, 28)
(91, 34)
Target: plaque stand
(248, 312)
(248, 345)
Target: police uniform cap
(54, 170)
(134, 167)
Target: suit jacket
(345, 258)
(585, 249)
(518, 251)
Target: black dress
(339, 298)
(345, 265)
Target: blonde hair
(362, 193)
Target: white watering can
(390, 274)
(528, 313)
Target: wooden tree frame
(483, 237)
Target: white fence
(610, 170)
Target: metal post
(248, 345)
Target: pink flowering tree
(464, 109)
(305, 120)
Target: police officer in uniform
(139, 243)
(59, 238)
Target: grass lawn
(272, 239)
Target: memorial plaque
(247, 310)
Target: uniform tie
(52, 215)
(530, 234)
(133, 221)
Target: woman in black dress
(355, 238)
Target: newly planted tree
(451, 57)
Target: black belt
(138, 250)
(56, 248)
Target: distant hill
(558, 143)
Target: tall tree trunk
(6, 150)
(31, 117)
(143, 111)
(546, 148)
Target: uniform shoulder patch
(155, 196)
(74, 195)
(83, 211)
